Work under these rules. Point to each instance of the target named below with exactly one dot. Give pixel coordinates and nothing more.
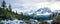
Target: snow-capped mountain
(57, 11)
(43, 11)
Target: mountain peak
(41, 11)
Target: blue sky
(27, 5)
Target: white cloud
(34, 4)
(55, 6)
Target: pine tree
(16, 13)
(21, 14)
(4, 4)
(10, 9)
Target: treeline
(55, 16)
(8, 14)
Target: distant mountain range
(43, 13)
